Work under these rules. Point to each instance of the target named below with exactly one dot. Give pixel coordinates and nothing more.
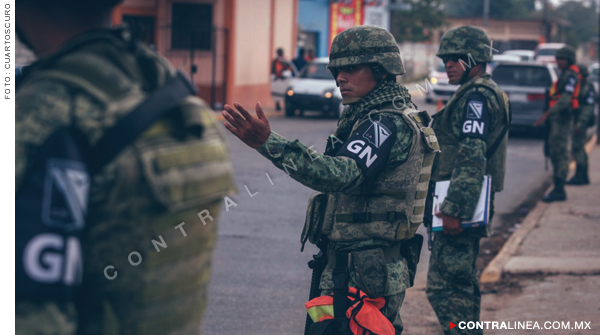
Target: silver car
(442, 89)
(526, 85)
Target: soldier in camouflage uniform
(472, 131)
(584, 118)
(379, 159)
(89, 77)
(564, 100)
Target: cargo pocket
(313, 223)
(371, 271)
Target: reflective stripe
(425, 177)
(320, 313)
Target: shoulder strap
(156, 105)
(492, 150)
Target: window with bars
(191, 26)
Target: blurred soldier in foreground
(564, 101)
(102, 113)
(473, 133)
(584, 118)
(373, 175)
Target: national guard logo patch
(570, 87)
(377, 134)
(475, 110)
(65, 194)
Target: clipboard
(481, 215)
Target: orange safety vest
(554, 95)
(364, 313)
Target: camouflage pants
(578, 150)
(558, 141)
(452, 284)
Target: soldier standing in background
(584, 118)
(472, 130)
(88, 81)
(564, 100)
(373, 173)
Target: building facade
(226, 46)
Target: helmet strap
(465, 76)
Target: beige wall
(501, 30)
(252, 37)
(283, 32)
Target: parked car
(525, 55)
(544, 52)
(502, 58)
(526, 85)
(314, 89)
(442, 89)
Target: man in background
(165, 184)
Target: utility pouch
(313, 223)
(371, 271)
(411, 251)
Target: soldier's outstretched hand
(253, 131)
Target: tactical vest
(391, 206)
(444, 162)
(182, 159)
(555, 95)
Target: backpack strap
(156, 105)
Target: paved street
(260, 279)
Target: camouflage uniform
(452, 283)
(561, 124)
(338, 174)
(584, 118)
(176, 169)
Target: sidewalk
(552, 271)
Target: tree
(418, 23)
(498, 8)
(584, 20)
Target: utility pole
(486, 12)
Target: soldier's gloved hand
(451, 224)
(253, 131)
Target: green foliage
(584, 20)
(417, 24)
(498, 8)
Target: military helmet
(366, 45)
(567, 53)
(583, 70)
(466, 40)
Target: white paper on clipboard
(482, 210)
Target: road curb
(493, 271)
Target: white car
(314, 89)
(442, 89)
(525, 55)
(544, 52)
